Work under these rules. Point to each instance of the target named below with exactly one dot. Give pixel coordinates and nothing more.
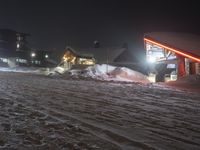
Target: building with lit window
(172, 55)
(15, 51)
(72, 57)
(13, 47)
(91, 56)
(41, 58)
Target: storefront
(172, 54)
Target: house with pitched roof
(90, 56)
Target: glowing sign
(173, 50)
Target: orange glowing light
(69, 57)
(173, 50)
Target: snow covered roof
(79, 54)
(188, 43)
(101, 54)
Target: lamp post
(46, 56)
(32, 57)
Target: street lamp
(33, 54)
(18, 45)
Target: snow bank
(99, 72)
(110, 73)
(125, 73)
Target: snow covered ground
(33, 70)
(48, 112)
(191, 83)
(108, 73)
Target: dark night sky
(53, 24)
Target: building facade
(89, 56)
(13, 46)
(15, 51)
(173, 54)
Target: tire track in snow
(169, 118)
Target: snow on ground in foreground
(35, 70)
(110, 73)
(190, 79)
(189, 83)
(43, 112)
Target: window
(154, 53)
(21, 60)
(5, 60)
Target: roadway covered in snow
(42, 112)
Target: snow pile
(57, 71)
(110, 73)
(99, 71)
(125, 73)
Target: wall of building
(15, 51)
(8, 40)
(183, 66)
(197, 66)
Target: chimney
(96, 44)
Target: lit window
(86, 61)
(5, 60)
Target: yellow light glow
(69, 57)
(86, 61)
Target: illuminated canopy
(187, 45)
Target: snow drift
(109, 73)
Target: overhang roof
(188, 44)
